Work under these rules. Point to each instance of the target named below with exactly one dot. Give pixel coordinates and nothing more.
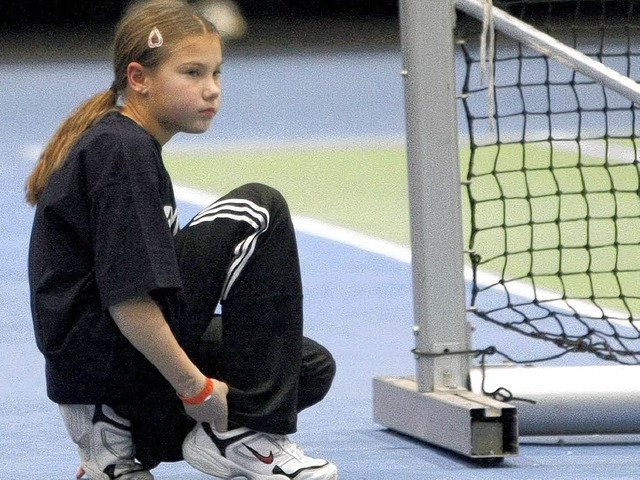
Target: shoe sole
(136, 476)
(139, 475)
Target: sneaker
(252, 455)
(104, 443)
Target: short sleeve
(133, 243)
(134, 249)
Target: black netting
(552, 182)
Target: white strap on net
(487, 52)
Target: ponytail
(133, 42)
(68, 133)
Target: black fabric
(261, 350)
(256, 344)
(159, 424)
(112, 199)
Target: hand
(213, 409)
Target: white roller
(573, 400)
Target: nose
(212, 89)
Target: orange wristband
(201, 396)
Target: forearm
(142, 322)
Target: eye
(191, 71)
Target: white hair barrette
(155, 38)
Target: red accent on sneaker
(268, 459)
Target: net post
(434, 193)
(436, 405)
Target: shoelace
(290, 447)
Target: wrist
(201, 396)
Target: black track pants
(241, 253)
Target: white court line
(289, 145)
(613, 151)
(402, 254)
(316, 228)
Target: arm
(142, 322)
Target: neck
(135, 114)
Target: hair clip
(155, 38)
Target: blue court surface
(357, 303)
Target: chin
(197, 128)
(200, 127)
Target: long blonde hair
(175, 20)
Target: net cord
(487, 55)
(549, 46)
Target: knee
(320, 365)
(327, 372)
(318, 371)
(261, 194)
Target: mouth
(208, 112)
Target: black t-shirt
(102, 233)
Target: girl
(124, 302)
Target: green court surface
(567, 220)
(355, 186)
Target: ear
(137, 78)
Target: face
(183, 94)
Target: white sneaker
(104, 442)
(252, 455)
